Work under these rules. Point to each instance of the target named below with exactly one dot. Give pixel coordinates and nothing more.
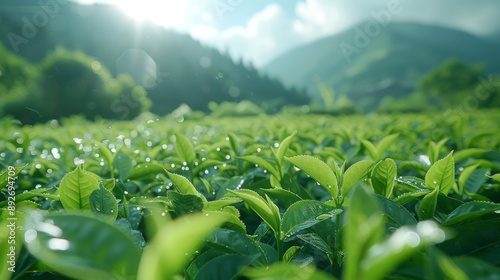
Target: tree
(18, 89)
(73, 83)
(451, 82)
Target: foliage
(230, 109)
(451, 82)
(414, 103)
(18, 88)
(77, 84)
(67, 83)
(266, 197)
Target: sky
(258, 31)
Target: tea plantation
(262, 197)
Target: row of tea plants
(268, 197)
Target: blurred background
(117, 59)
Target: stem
(337, 237)
(279, 242)
(337, 222)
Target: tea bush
(262, 197)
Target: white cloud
(272, 31)
(479, 17)
(258, 41)
(317, 18)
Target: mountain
(495, 36)
(366, 61)
(174, 68)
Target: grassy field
(263, 197)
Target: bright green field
(264, 197)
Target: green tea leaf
(354, 174)
(477, 238)
(286, 197)
(395, 212)
(185, 203)
(318, 170)
(142, 171)
(75, 189)
(260, 207)
(184, 149)
(428, 205)
(441, 175)
(447, 266)
(200, 261)
(109, 184)
(233, 141)
(413, 182)
(290, 252)
(264, 164)
(383, 176)
(270, 253)
(184, 185)
(317, 242)
(217, 205)
(169, 246)
(303, 214)
(123, 165)
(103, 203)
(407, 197)
(435, 149)
(385, 143)
(364, 229)
(496, 177)
(4, 177)
(206, 164)
(81, 246)
(232, 221)
(462, 155)
(370, 148)
(476, 268)
(224, 267)
(383, 257)
(289, 183)
(377, 151)
(471, 179)
(232, 242)
(105, 152)
(469, 211)
(275, 212)
(283, 147)
(45, 193)
(283, 271)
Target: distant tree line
(64, 84)
(453, 84)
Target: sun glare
(166, 13)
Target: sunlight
(168, 13)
